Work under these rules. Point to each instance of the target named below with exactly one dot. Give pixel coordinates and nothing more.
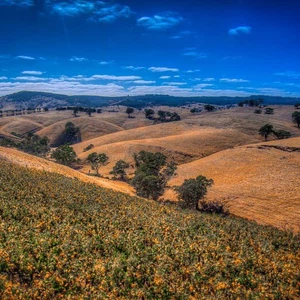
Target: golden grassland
(33, 162)
(258, 182)
(62, 238)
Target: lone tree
(71, 134)
(64, 155)
(149, 113)
(193, 190)
(119, 170)
(129, 111)
(209, 107)
(97, 160)
(152, 173)
(266, 130)
(296, 118)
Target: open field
(256, 182)
(62, 238)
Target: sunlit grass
(63, 238)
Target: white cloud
(78, 59)
(109, 14)
(3, 78)
(25, 57)
(116, 78)
(240, 30)
(144, 81)
(164, 77)
(134, 68)
(181, 35)
(288, 74)
(161, 21)
(163, 69)
(195, 54)
(193, 71)
(209, 79)
(202, 85)
(21, 3)
(175, 83)
(233, 80)
(32, 73)
(176, 76)
(30, 78)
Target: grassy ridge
(60, 237)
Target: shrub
(282, 134)
(258, 111)
(269, 111)
(89, 147)
(212, 207)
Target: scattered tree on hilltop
(296, 118)
(209, 107)
(149, 113)
(65, 155)
(152, 173)
(192, 190)
(129, 111)
(269, 111)
(266, 130)
(119, 170)
(97, 160)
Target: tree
(209, 107)
(119, 170)
(149, 113)
(297, 105)
(162, 115)
(97, 160)
(65, 155)
(296, 118)
(75, 112)
(175, 117)
(192, 190)
(89, 112)
(152, 173)
(266, 130)
(71, 134)
(129, 111)
(34, 144)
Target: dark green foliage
(212, 207)
(129, 111)
(296, 118)
(269, 111)
(149, 113)
(64, 155)
(251, 102)
(195, 110)
(166, 116)
(192, 190)
(297, 105)
(99, 110)
(258, 111)
(152, 173)
(89, 147)
(266, 130)
(34, 144)
(97, 160)
(71, 134)
(119, 170)
(282, 134)
(209, 107)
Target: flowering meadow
(61, 238)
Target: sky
(134, 47)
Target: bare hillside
(258, 182)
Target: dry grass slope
(33, 162)
(257, 182)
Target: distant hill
(27, 99)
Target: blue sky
(127, 47)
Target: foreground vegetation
(61, 238)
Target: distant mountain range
(26, 99)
